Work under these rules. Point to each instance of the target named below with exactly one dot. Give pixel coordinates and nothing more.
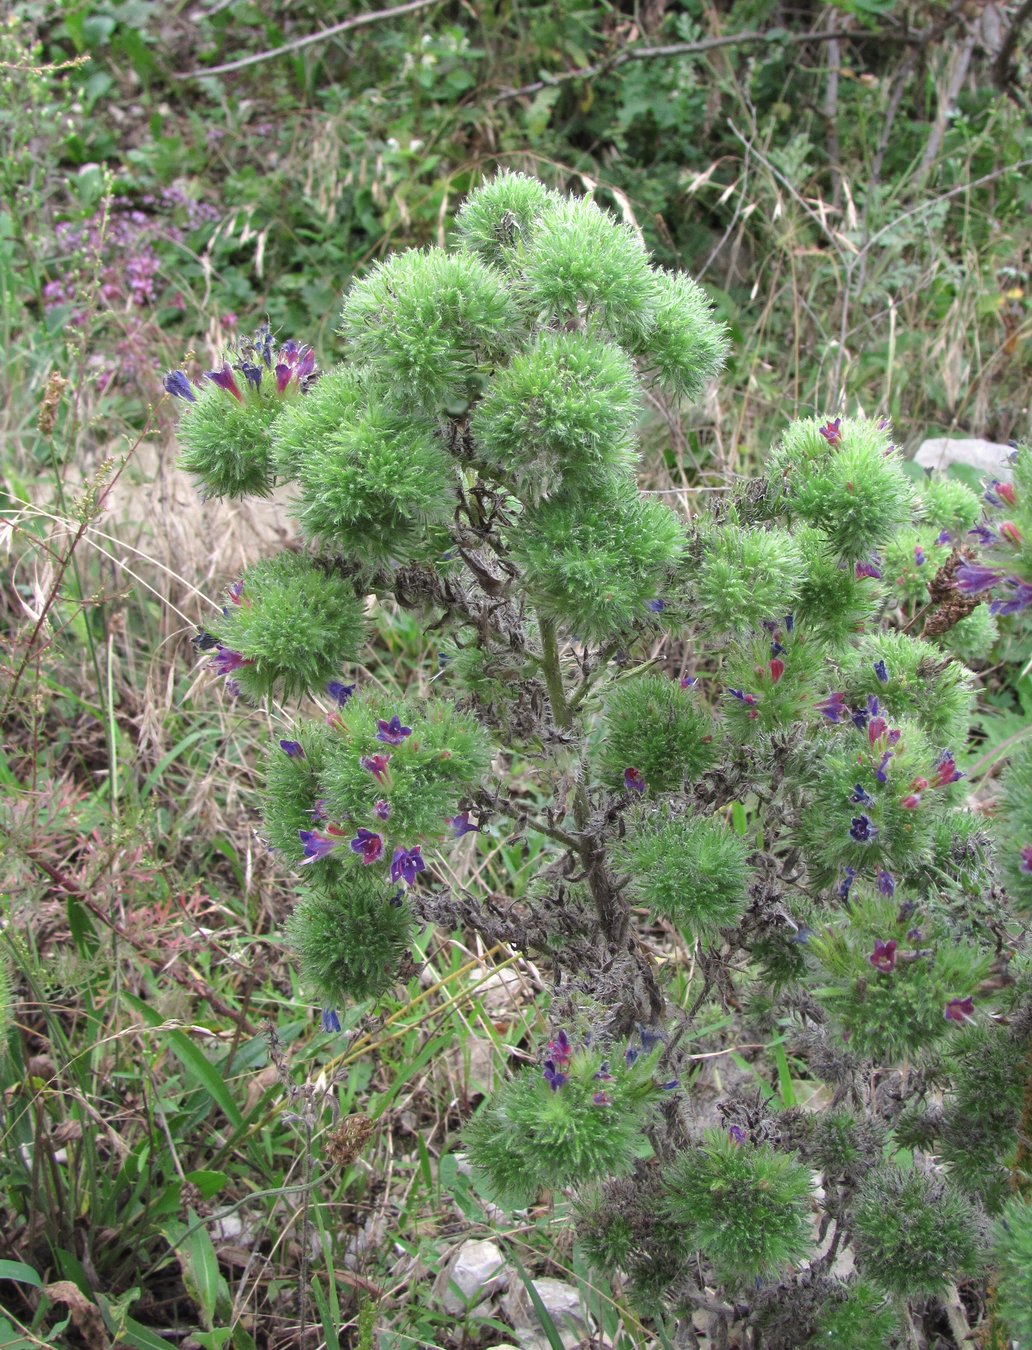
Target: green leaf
(20, 1273)
(200, 1267)
(544, 1317)
(208, 1183)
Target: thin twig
(685, 49)
(358, 21)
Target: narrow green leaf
(543, 1315)
(20, 1273)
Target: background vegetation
(851, 189)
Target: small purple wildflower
(232, 687)
(320, 809)
(946, 770)
(339, 692)
(669, 1086)
(750, 700)
(406, 864)
(960, 1010)
(846, 884)
(881, 772)
(943, 537)
(870, 567)
(316, 846)
(882, 672)
(630, 1055)
(560, 1049)
(831, 431)
(859, 717)
(883, 957)
(634, 781)
(330, 1020)
(293, 748)
(376, 765)
(224, 379)
(776, 649)
(369, 847)
(886, 884)
(392, 732)
(862, 829)
(1020, 600)
(226, 660)
(657, 606)
(860, 796)
(461, 824)
(554, 1077)
(1000, 494)
(736, 1134)
(1026, 859)
(973, 578)
(919, 555)
(688, 681)
(204, 641)
(833, 707)
(176, 384)
(601, 1099)
(986, 537)
(382, 810)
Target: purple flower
(886, 884)
(687, 681)
(376, 765)
(880, 773)
(295, 362)
(860, 796)
(316, 846)
(369, 848)
(750, 700)
(630, 1055)
(232, 687)
(789, 622)
(382, 810)
(919, 556)
(862, 829)
(293, 748)
(831, 431)
(224, 379)
(776, 649)
(226, 660)
(877, 730)
(736, 1134)
(236, 594)
(406, 864)
(392, 732)
(560, 1049)
(176, 384)
(1020, 600)
(656, 606)
(946, 770)
(846, 884)
(943, 537)
(894, 736)
(461, 825)
(859, 716)
(1026, 859)
(330, 1020)
(868, 568)
(554, 1077)
(204, 641)
(833, 707)
(882, 671)
(340, 693)
(973, 578)
(601, 1099)
(960, 1010)
(634, 781)
(1000, 494)
(883, 957)
(319, 811)
(986, 537)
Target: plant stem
(552, 672)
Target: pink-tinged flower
(236, 594)
(1019, 600)
(634, 781)
(461, 824)
(320, 809)
(777, 669)
(316, 846)
(883, 957)
(1026, 859)
(894, 736)
(601, 1099)
(919, 784)
(226, 660)
(176, 384)
(1010, 532)
(911, 801)
(687, 681)
(946, 770)
(1000, 494)
(870, 567)
(736, 1134)
(376, 765)
(406, 864)
(919, 555)
(973, 578)
(833, 707)
(293, 748)
(831, 431)
(382, 810)
(881, 773)
(224, 379)
(750, 700)
(876, 729)
(560, 1050)
(295, 363)
(392, 732)
(863, 829)
(886, 883)
(960, 1010)
(369, 847)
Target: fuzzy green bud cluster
(742, 739)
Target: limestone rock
(476, 1268)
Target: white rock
(476, 1268)
(562, 1303)
(987, 457)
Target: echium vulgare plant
(748, 732)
